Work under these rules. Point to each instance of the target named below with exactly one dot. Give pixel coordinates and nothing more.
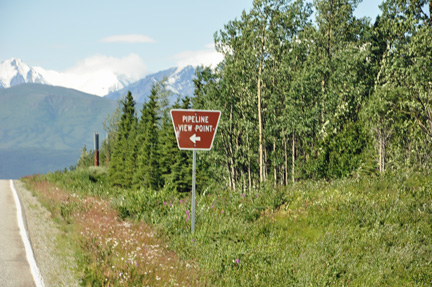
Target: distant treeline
(301, 98)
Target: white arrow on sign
(195, 139)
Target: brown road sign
(195, 129)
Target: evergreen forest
(306, 90)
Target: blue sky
(148, 35)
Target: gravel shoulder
(52, 250)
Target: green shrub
(340, 154)
(369, 231)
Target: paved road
(14, 267)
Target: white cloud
(131, 65)
(130, 38)
(207, 57)
(99, 74)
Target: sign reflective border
(195, 129)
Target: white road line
(29, 251)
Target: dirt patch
(53, 255)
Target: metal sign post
(193, 190)
(195, 130)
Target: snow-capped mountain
(14, 72)
(100, 82)
(179, 81)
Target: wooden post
(96, 149)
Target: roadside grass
(111, 251)
(369, 231)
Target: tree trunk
(286, 161)
(265, 160)
(250, 175)
(323, 90)
(249, 161)
(329, 31)
(293, 158)
(274, 162)
(380, 150)
(381, 143)
(227, 158)
(230, 152)
(260, 124)
(243, 179)
(383, 154)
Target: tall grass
(371, 231)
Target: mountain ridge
(179, 82)
(45, 127)
(32, 111)
(14, 72)
(103, 84)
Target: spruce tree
(147, 167)
(168, 148)
(138, 177)
(181, 170)
(111, 125)
(131, 155)
(119, 169)
(86, 158)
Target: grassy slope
(41, 116)
(366, 232)
(43, 128)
